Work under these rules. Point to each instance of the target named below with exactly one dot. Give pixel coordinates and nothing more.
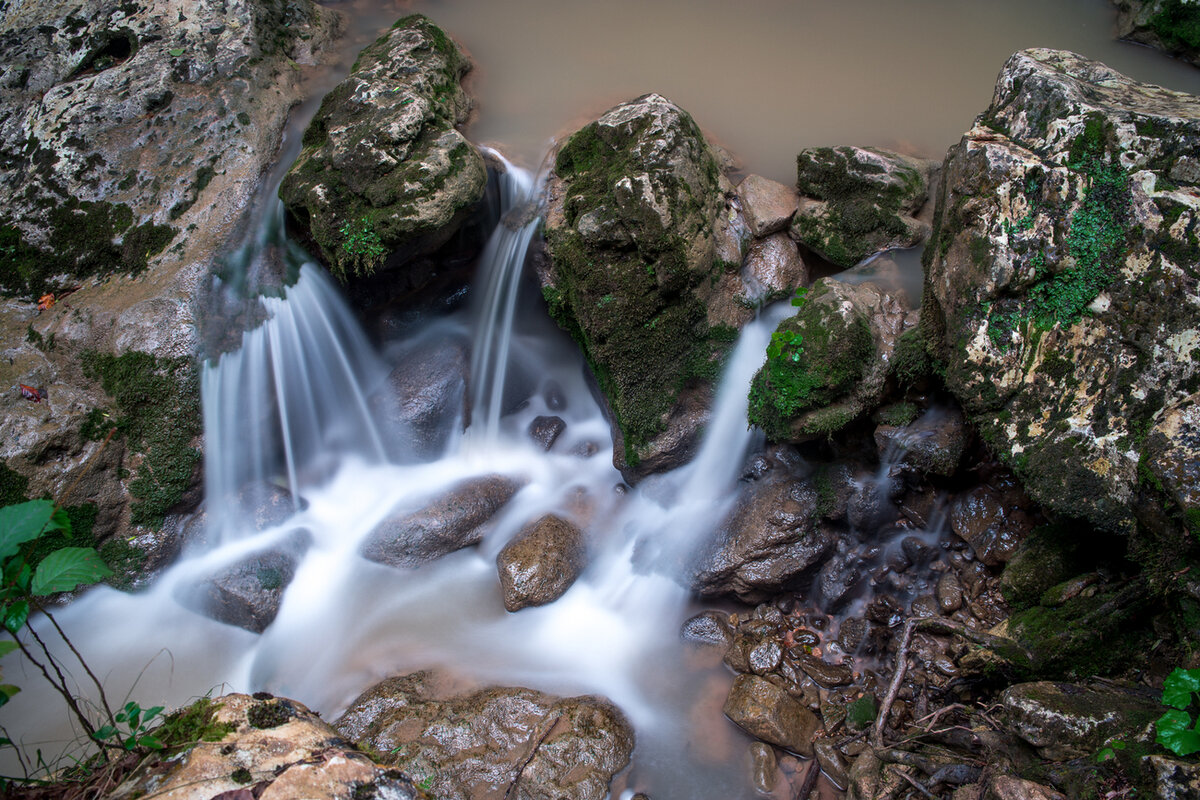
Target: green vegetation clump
(910, 360)
(157, 409)
(269, 714)
(1178, 24)
(832, 361)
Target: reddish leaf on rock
(30, 393)
(45, 302)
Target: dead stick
(916, 784)
(810, 780)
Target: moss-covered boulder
(1172, 26)
(385, 174)
(1062, 291)
(858, 201)
(629, 231)
(828, 364)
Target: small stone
(541, 562)
(765, 656)
(851, 633)
(826, 674)
(925, 606)
(546, 430)
(949, 593)
(833, 764)
(764, 767)
(767, 712)
(708, 627)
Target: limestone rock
(1168, 25)
(1065, 216)
(471, 742)
(768, 712)
(423, 396)
(858, 201)
(541, 562)
(1066, 720)
(1010, 787)
(1174, 779)
(629, 230)
(768, 540)
(833, 363)
(769, 205)
(299, 756)
(385, 174)
(449, 522)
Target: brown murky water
(768, 77)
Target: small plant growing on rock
(1177, 729)
(788, 345)
(362, 247)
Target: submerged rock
(385, 174)
(449, 522)
(541, 562)
(1065, 216)
(519, 743)
(858, 201)
(631, 211)
(832, 363)
(425, 396)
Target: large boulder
(492, 742)
(455, 519)
(1068, 720)
(1172, 26)
(856, 202)
(632, 206)
(541, 562)
(828, 364)
(423, 397)
(1065, 216)
(121, 125)
(385, 174)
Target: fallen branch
(810, 780)
(915, 783)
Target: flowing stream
(299, 406)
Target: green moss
(911, 361)
(191, 724)
(898, 414)
(1177, 25)
(157, 410)
(125, 560)
(269, 714)
(241, 776)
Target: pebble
(765, 656)
(826, 674)
(832, 763)
(949, 593)
(764, 767)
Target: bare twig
(810, 780)
(17, 750)
(79, 657)
(915, 784)
(61, 688)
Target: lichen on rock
(385, 174)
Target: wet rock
(1068, 720)
(835, 485)
(384, 169)
(450, 522)
(768, 539)
(425, 396)
(851, 633)
(845, 336)
(826, 674)
(993, 531)
(541, 562)
(767, 712)
(764, 767)
(884, 610)
(841, 574)
(949, 593)
(642, 168)
(1010, 787)
(301, 757)
(247, 594)
(918, 550)
(768, 205)
(933, 445)
(677, 444)
(765, 657)
(871, 507)
(925, 606)
(1071, 406)
(832, 762)
(858, 201)
(708, 627)
(546, 430)
(472, 742)
(732, 235)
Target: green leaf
(25, 522)
(6, 647)
(1176, 734)
(176, 52)
(1179, 686)
(64, 569)
(151, 741)
(15, 615)
(106, 732)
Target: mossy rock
(1172, 26)
(384, 173)
(629, 233)
(859, 201)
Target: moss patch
(157, 409)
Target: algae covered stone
(384, 169)
(858, 201)
(1066, 216)
(629, 231)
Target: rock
(851, 633)
(832, 762)
(834, 362)
(769, 713)
(826, 674)
(993, 531)
(1173, 448)
(771, 269)
(247, 594)
(1167, 25)
(111, 146)
(423, 397)
(1060, 227)
(764, 767)
(858, 201)
(472, 742)
(452, 521)
(1174, 779)
(1010, 787)
(1047, 557)
(638, 310)
(541, 562)
(708, 627)
(932, 445)
(300, 757)
(768, 205)
(949, 593)
(546, 430)
(1067, 720)
(768, 540)
(384, 174)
